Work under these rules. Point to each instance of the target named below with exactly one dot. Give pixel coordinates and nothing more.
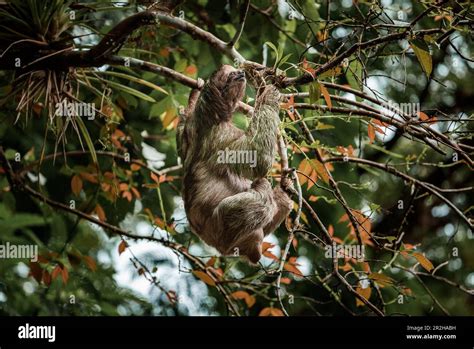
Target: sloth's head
(229, 83)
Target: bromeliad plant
(34, 35)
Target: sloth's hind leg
(240, 219)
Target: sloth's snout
(239, 75)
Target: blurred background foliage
(84, 270)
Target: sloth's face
(231, 84)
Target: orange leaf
(65, 274)
(56, 272)
(326, 96)
(276, 312)
(204, 277)
(266, 246)
(164, 52)
(46, 278)
(271, 312)
(292, 269)
(135, 167)
(249, 300)
(76, 184)
(285, 281)
(100, 213)
(89, 177)
(270, 255)
(90, 262)
(211, 261)
(364, 292)
(381, 279)
(159, 222)
(371, 132)
(135, 192)
(240, 294)
(170, 115)
(380, 123)
(321, 170)
(424, 262)
(331, 230)
(154, 177)
(423, 116)
(127, 195)
(122, 246)
(190, 70)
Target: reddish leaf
(249, 300)
(204, 277)
(76, 185)
(381, 279)
(65, 274)
(326, 96)
(371, 132)
(100, 213)
(291, 266)
(211, 262)
(364, 292)
(135, 192)
(127, 195)
(154, 177)
(89, 177)
(56, 272)
(190, 70)
(36, 271)
(90, 262)
(135, 167)
(271, 312)
(266, 246)
(46, 278)
(424, 262)
(123, 245)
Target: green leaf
(284, 60)
(354, 73)
(422, 52)
(135, 79)
(310, 9)
(321, 126)
(274, 48)
(21, 220)
(87, 138)
(126, 89)
(314, 92)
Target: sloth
(230, 205)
